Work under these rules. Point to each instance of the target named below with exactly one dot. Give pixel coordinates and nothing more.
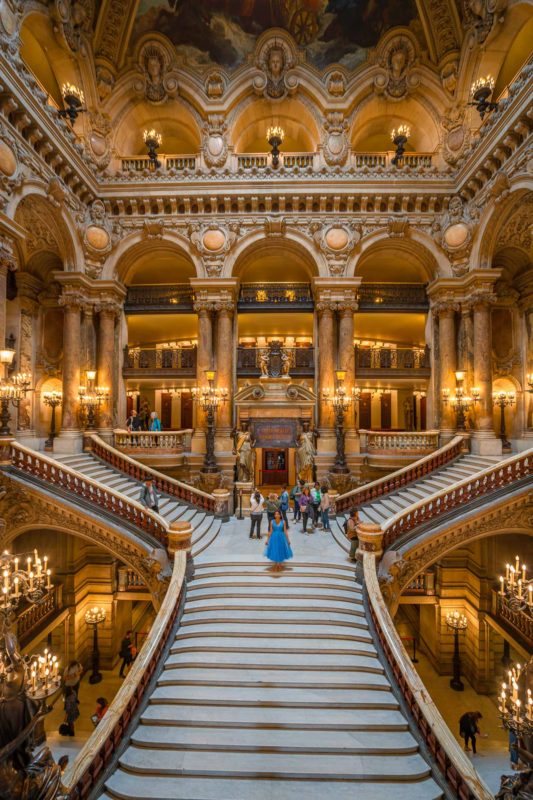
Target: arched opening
(298, 123)
(172, 120)
(377, 117)
(41, 53)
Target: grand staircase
(206, 526)
(273, 690)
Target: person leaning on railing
(133, 423)
(350, 529)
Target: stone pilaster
(447, 362)
(326, 361)
(8, 262)
(224, 358)
(105, 366)
(346, 359)
(69, 440)
(484, 439)
(28, 290)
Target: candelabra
(52, 399)
(209, 398)
(74, 100)
(275, 136)
(516, 704)
(153, 140)
(481, 91)
(340, 399)
(461, 402)
(91, 398)
(399, 138)
(502, 400)
(456, 622)
(516, 589)
(12, 390)
(94, 617)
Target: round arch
(494, 220)
(135, 260)
(45, 58)
(368, 133)
(251, 119)
(173, 120)
(410, 259)
(287, 258)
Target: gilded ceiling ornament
(75, 21)
(275, 60)
(397, 58)
(215, 85)
(156, 83)
(336, 84)
(481, 16)
(99, 236)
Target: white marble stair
(272, 689)
(382, 509)
(205, 526)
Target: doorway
(275, 467)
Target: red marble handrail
(40, 466)
(489, 480)
(140, 472)
(400, 478)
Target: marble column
(105, 365)
(26, 363)
(69, 440)
(7, 262)
(204, 352)
(484, 441)
(346, 359)
(466, 361)
(447, 364)
(224, 353)
(326, 362)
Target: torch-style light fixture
(91, 398)
(209, 398)
(94, 617)
(399, 138)
(53, 400)
(12, 390)
(516, 704)
(456, 622)
(275, 136)
(461, 402)
(153, 140)
(74, 100)
(481, 91)
(341, 399)
(501, 400)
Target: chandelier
(516, 705)
(516, 589)
(153, 140)
(399, 139)
(209, 398)
(275, 136)
(91, 397)
(481, 91)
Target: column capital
(8, 258)
(481, 299)
(224, 306)
(203, 306)
(445, 307)
(72, 300)
(107, 308)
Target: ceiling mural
(224, 32)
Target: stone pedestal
(333, 493)
(222, 503)
(369, 540)
(180, 539)
(244, 489)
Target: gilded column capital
(203, 306)
(481, 298)
(445, 308)
(326, 307)
(72, 300)
(107, 308)
(224, 307)
(347, 307)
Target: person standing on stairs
(284, 505)
(325, 505)
(350, 529)
(257, 506)
(316, 497)
(305, 508)
(278, 546)
(149, 497)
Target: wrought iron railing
(388, 296)
(394, 358)
(265, 295)
(509, 613)
(180, 360)
(301, 361)
(140, 299)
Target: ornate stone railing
(169, 441)
(301, 361)
(53, 473)
(455, 766)
(408, 474)
(393, 358)
(217, 503)
(82, 776)
(385, 159)
(405, 442)
(33, 617)
(388, 296)
(423, 584)
(159, 298)
(142, 360)
(142, 163)
(513, 617)
(128, 580)
(489, 480)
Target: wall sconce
(399, 138)
(153, 140)
(481, 91)
(275, 136)
(74, 99)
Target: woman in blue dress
(278, 546)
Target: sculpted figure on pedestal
(244, 450)
(305, 454)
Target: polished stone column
(466, 361)
(346, 358)
(326, 361)
(7, 262)
(487, 443)
(447, 362)
(72, 304)
(105, 364)
(225, 353)
(528, 318)
(204, 352)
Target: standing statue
(305, 454)
(244, 450)
(264, 359)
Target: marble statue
(305, 454)
(244, 450)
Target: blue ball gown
(278, 548)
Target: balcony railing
(142, 163)
(510, 614)
(301, 361)
(384, 160)
(178, 361)
(130, 581)
(161, 299)
(393, 297)
(401, 442)
(164, 441)
(266, 296)
(423, 585)
(396, 359)
(30, 619)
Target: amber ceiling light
(399, 138)
(275, 136)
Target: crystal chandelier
(516, 705)
(516, 589)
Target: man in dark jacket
(149, 497)
(468, 728)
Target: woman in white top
(325, 505)
(256, 513)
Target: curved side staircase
(205, 525)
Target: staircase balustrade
(32, 617)
(400, 478)
(489, 480)
(101, 497)
(511, 615)
(87, 770)
(128, 580)
(175, 441)
(171, 486)
(415, 442)
(455, 766)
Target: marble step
(287, 581)
(145, 761)
(225, 630)
(242, 740)
(275, 717)
(294, 661)
(174, 675)
(232, 643)
(277, 591)
(255, 568)
(275, 603)
(124, 786)
(377, 697)
(274, 616)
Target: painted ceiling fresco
(223, 32)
